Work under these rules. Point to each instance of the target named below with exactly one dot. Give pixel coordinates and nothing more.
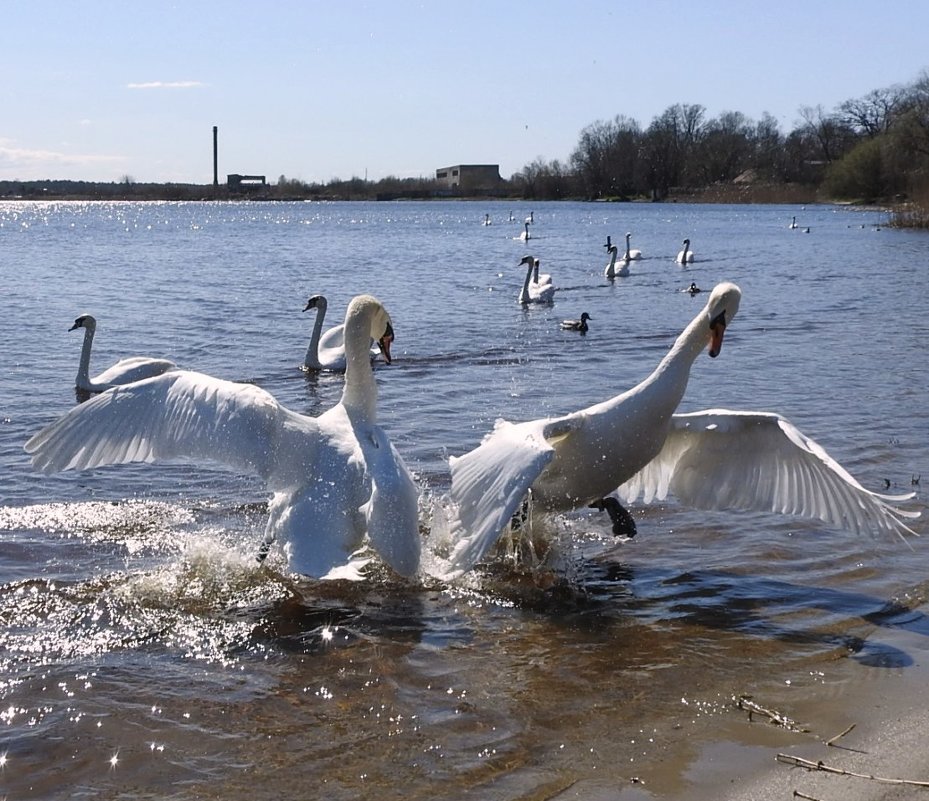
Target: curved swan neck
(83, 367)
(626, 256)
(524, 295)
(359, 396)
(673, 371)
(312, 351)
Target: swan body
(612, 271)
(326, 351)
(532, 292)
(631, 253)
(334, 479)
(635, 444)
(544, 278)
(577, 325)
(125, 371)
(686, 255)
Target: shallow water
(143, 652)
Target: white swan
(487, 220)
(326, 351)
(685, 256)
(577, 325)
(532, 292)
(544, 278)
(333, 479)
(125, 371)
(612, 271)
(631, 254)
(525, 236)
(793, 223)
(530, 220)
(713, 459)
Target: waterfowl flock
(337, 483)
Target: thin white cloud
(20, 157)
(166, 85)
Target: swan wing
(721, 459)
(488, 485)
(177, 415)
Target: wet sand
(889, 709)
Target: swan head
(527, 260)
(628, 236)
(384, 341)
(687, 242)
(84, 321)
(721, 309)
(378, 320)
(316, 302)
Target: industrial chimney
(215, 157)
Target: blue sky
(99, 90)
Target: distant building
(244, 183)
(465, 177)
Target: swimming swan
(631, 254)
(326, 351)
(333, 479)
(685, 256)
(525, 236)
(125, 371)
(532, 292)
(611, 270)
(714, 459)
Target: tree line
(867, 148)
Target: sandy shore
(889, 742)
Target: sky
(314, 90)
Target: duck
(326, 351)
(532, 292)
(631, 254)
(693, 289)
(686, 255)
(125, 371)
(612, 271)
(577, 325)
(636, 445)
(544, 278)
(336, 481)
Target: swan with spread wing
(634, 444)
(334, 479)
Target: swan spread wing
(488, 485)
(721, 459)
(176, 415)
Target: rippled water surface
(144, 654)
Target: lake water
(144, 654)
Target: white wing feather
(489, 483)
(721, 459)
(177, 415)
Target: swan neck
(83, 368)
(524, 295)
(673, 371)
(312, 351)
(359, 396)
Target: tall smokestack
(215, 157)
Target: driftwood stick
(800, 762)
(746, 703)
(798, 794)
(839, 736)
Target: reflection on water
(145, 651)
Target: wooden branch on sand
(745, 702)
(800, 762)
